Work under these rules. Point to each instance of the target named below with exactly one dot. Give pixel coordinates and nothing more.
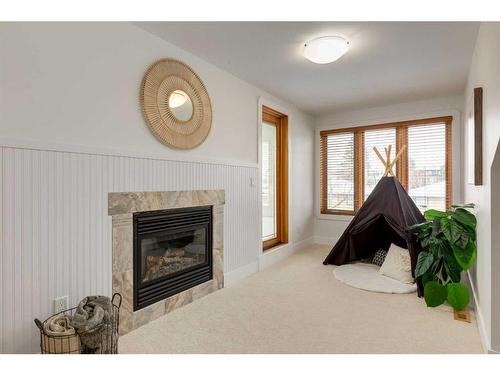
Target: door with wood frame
(274, 178)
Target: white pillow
(397, 265)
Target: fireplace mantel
(122, 206)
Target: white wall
(71, 130)
(485, 72)
(328, 228)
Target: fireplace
(173, 224)
(172, 252)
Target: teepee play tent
(381, 220)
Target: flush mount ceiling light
(325, 49)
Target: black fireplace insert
(172, 252)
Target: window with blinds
(339, 171)
(350, 169)
(373, 168)
(427, 166)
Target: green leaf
(428, 276)
(462, 241)
(437, 248)
(458, 296)
(451, 230)
(465, 217)
(472, 234)
(436, 227)
(434, 293)
(467, 256)
(452, 268)
(466, 205)
(424, 230)
(424, 262)
(432, 214)
(441, 273)
(419, 226)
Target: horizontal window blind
(338, 172)
(427, 166)
(373, 167)
(350, 169)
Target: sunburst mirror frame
(163, 78)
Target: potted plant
(448, 241)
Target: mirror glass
(181, 105)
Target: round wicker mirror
(176, 104)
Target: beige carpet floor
(297, 306)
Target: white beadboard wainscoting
(56, 232)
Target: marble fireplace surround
(121, 207)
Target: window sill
(273, 247)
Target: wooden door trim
(279, 120)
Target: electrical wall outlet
(60, 304)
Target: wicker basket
(105, 335)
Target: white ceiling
(387, 62)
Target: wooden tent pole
(397, 157)
(388, 164)
(388, 169)
(379, 156)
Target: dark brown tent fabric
(380, 221)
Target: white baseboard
(278, 253)
(485, 342)
(322, 240)
(240, 273)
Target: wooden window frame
(280, 121)
(401, 128)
